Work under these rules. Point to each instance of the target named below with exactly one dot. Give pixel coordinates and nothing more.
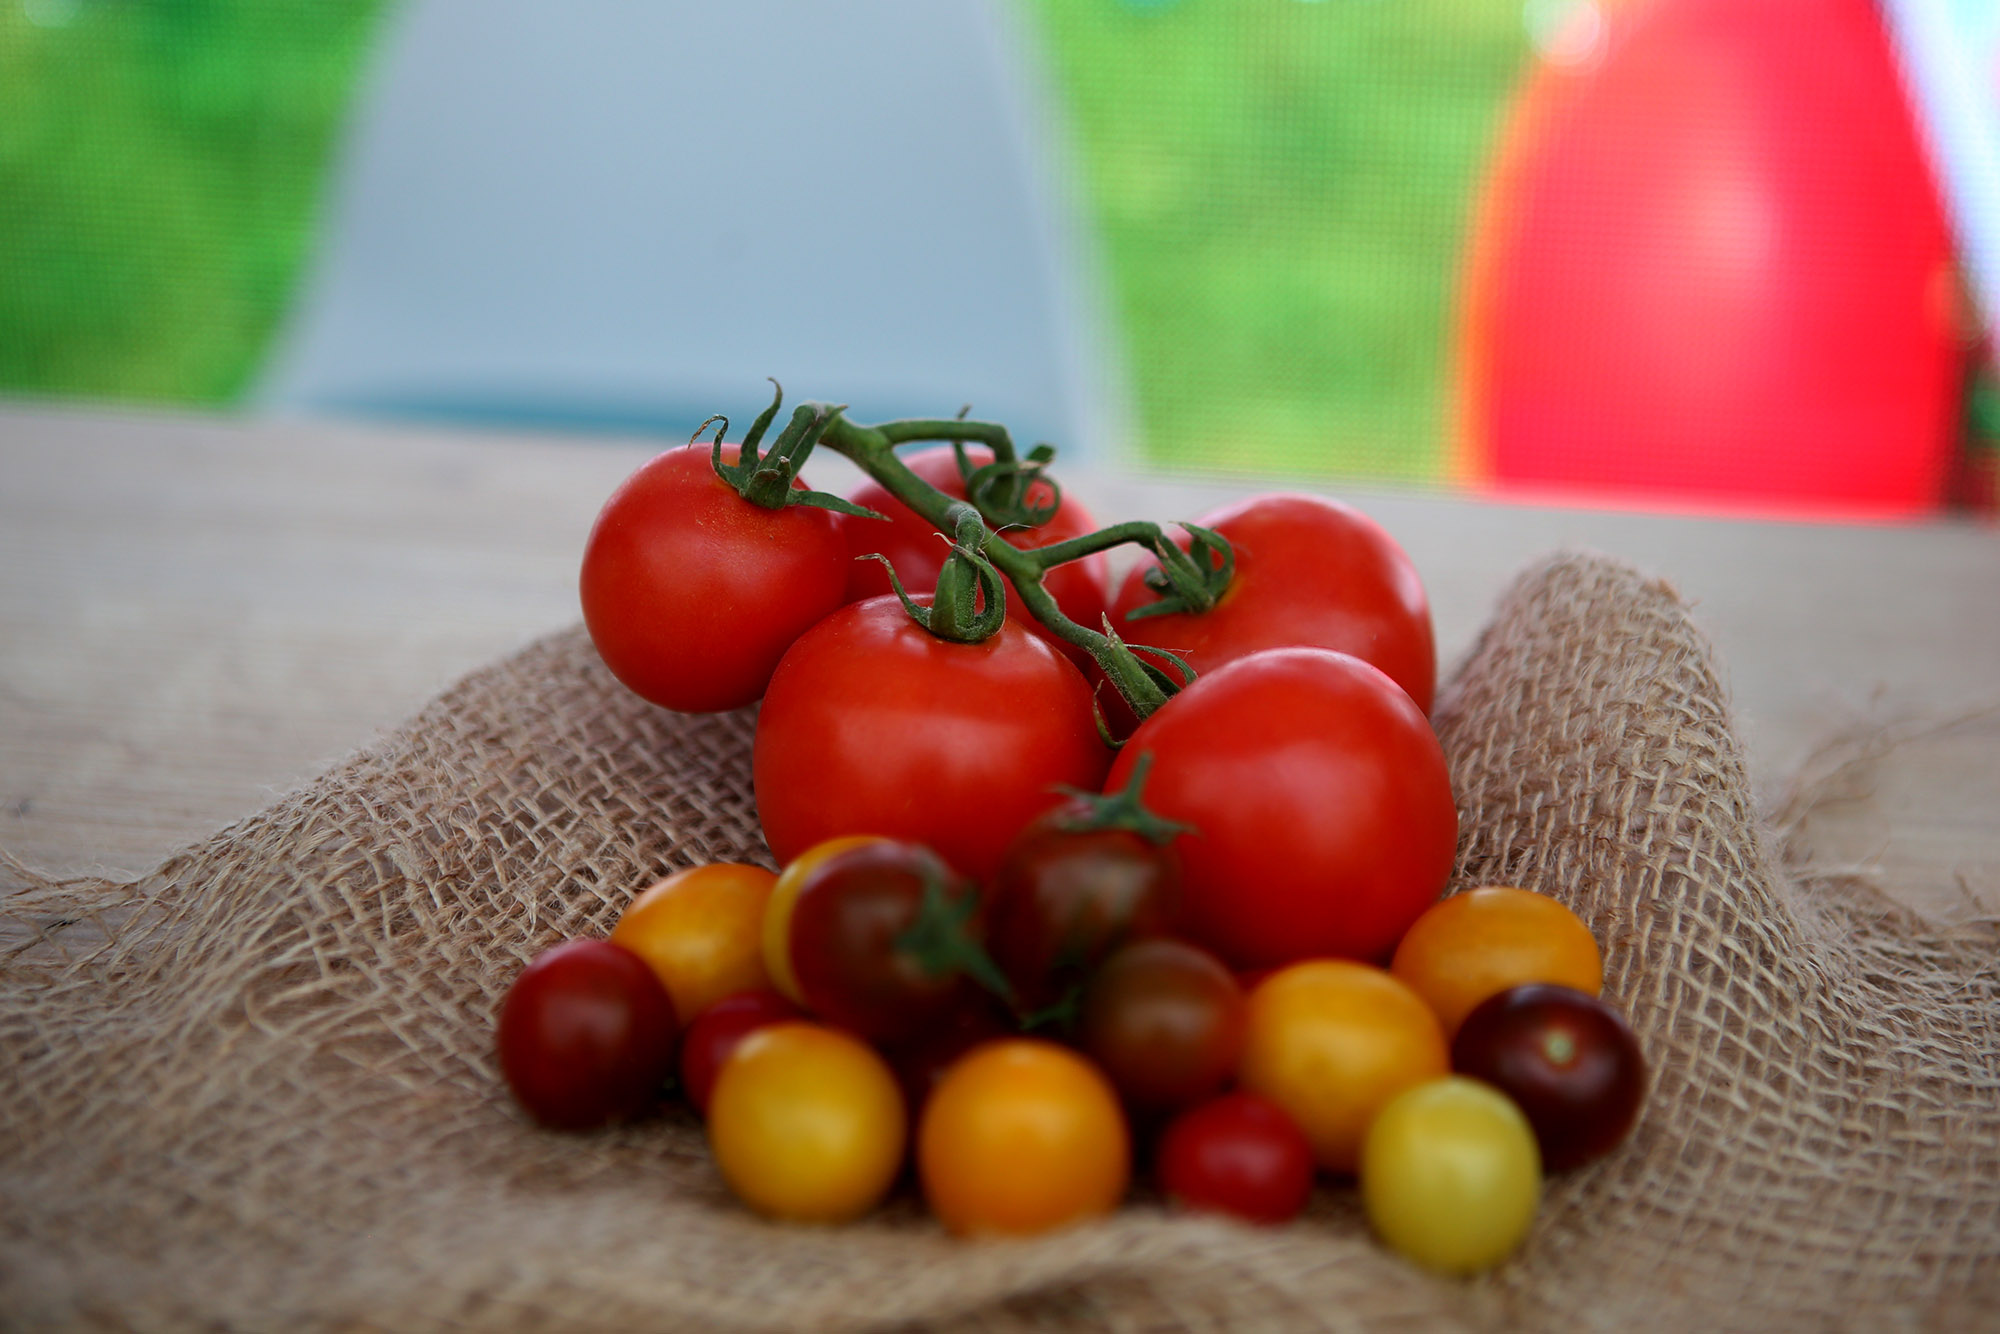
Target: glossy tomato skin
(1566, 1058)
(1238, 1154)
(1165, 1022)
(874, 726)
(1063, 898)
(586, 1035)
(1310, 572)
(1080, 587)
(1323, 807)
(717, 1031)
(849, 942)
(692, 594)
(1450, 1176)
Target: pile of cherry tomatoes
(1032, 943)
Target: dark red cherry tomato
(1238, 1154)
(1064, 897)
(718, 1029)
(1566, 1058)
(586, 1035)
(1165, 1021)
(919, 1065)
(691, 593)
(881, 935)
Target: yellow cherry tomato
(1479, 943)
(807, 1124)
(776, 928)
(1021, 1136)
(699, 930)
(1450, 1175)
(1331, 1041)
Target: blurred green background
(1279, 190)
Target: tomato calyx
(970, 602)
(1192, 580)
(1012, 493)
(766, 480)
(1125, 808)
(941, 943)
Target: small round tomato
(1471, 945)
(777, 927)
(1238, 1154)
(917, 550)
(1322, 808)
(807, 1124)
(1021, 1136)
(718, 1030)
(586, 1035)
(882, 935)
(1067, 894)
(1164, 1020)
(873, 725)
(1331, 1041)
(1450, 1176)
(701, 931)
(1566, 1058)
(1310, 572)
(692, 593)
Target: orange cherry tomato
(807, 1123)
(1483, 941)
(1331, 1041)
(776, 938)
(1021, 1136)
(699, 930)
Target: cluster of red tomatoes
(1008, 948)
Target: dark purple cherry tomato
(880, 938)
(718, 1029)
(586, 1035)
(1165, 1021)
(1238, 1154)
(919, 1065)
(1569, 1060)
(1064, 897)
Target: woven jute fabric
(256, 1089)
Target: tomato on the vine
(917, 550)
(586, 1035)
(1164, 1021)
(1310, 572)
(1566, 1058)
(872, 725)
(1238, 1154)
(1321, 799)
(692, 593)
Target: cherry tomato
(921, 1063)
(1310, 572)
(586, 1035)
(777, 928)
(1239, 1154)
(917, 550)
(1450, 1176)
(700, 930)
(1164, 1021)
(1331, 1041)
(807, 1124)
(1471, 945)
(692, 594)
(872, 725)
(1021, 1136)
(1065, 897)
(1321, 800)
(859, 950)
(1566, 1058)
(719, 1029)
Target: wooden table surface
(197, 614)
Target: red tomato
(1711, 262)
(1310, 572)
(717, 1031)
(692, 594)
(586, 1035)
(1164, 1021)
(872, 725)
(1322, 806)
(1566, 1058)
(1238, 1154)
(917, 550)
(854, 942)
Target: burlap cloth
(256, 1089)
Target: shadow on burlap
(256, 1089)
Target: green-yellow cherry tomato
(1450, 1175)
